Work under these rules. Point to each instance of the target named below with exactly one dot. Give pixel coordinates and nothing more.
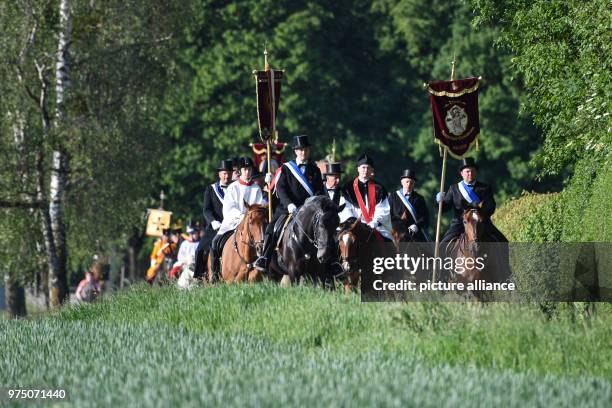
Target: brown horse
(244, 246)
(467, 245)
(400, 231)
(472, 244)
(352, 235)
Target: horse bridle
(317, 220)
(251, 243)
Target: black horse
(308, 243)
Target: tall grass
(511, 336)
(266, 346)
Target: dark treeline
(106, 103)
(354, 73)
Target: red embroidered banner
(454, 106)
(268, 99)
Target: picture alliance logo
(411, 264)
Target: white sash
(407, 204)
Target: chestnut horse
(400, 231)
(470, 245)
(352, 235)
(244, 246)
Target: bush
(530, 218)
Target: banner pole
(436, 248)
(269, 185)
(273, 123)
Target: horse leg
(210, 274)
(227, 269)
(254, 276)
(242, 274)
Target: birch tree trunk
(58, 290)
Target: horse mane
(254, 208)
(356, 227)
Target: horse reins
(315, 224)
(250, 243)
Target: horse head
(399, 229)
(472, 223)
(253, 226)
(317, 221)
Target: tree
(362, 87)
(88, 141)
(563, 54)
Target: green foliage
(514, 217)
(362, 87)
(20, 253)
(577, 214)
(563, 53)
(588, 199)
(325, 347)
(121, 62)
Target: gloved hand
(413, 228)
(440, 196)
(215, 224)
(291, 208)
(268, 178)
(373, 224)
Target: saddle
(279, 228)
(277, 234)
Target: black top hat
(408, 174)
(365, 159)
(225, 165)
(333, 169)
(167, 231)
(300, 142)
(467, 162)
(235, 161)
(245, 162)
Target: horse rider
(299, 179)
(333, 172)
(240, 192)
(367, 200)
(187, 251)
(407, 200)
(468, 194)
(213, 215)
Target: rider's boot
(214, 259)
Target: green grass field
(266, 346)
